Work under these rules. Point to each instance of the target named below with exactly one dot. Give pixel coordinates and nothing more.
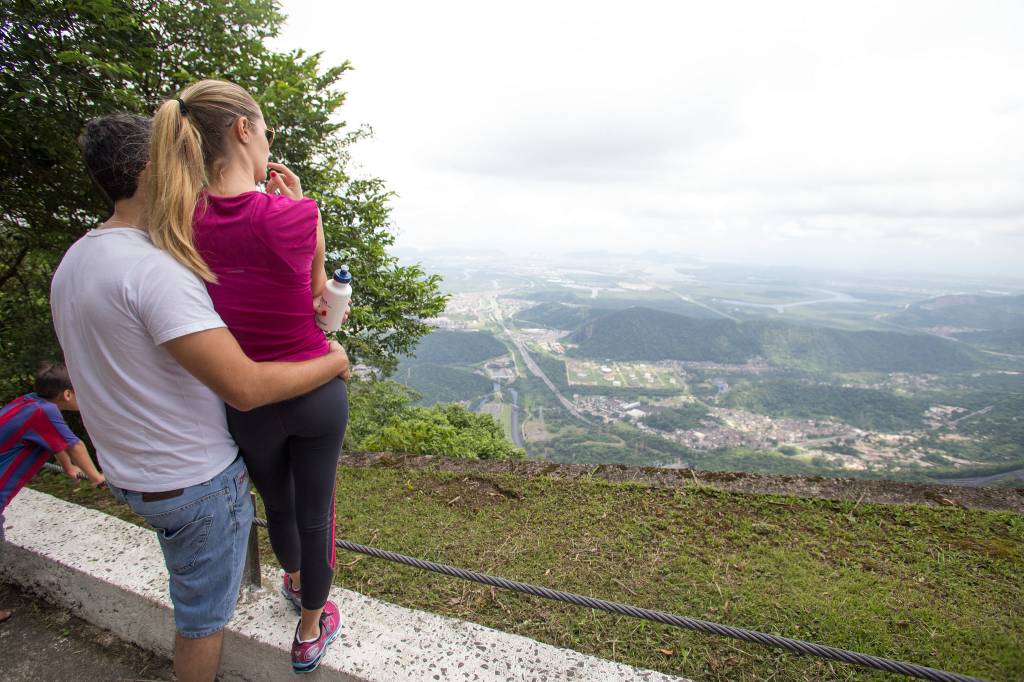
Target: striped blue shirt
(31, 429)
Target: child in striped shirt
(32, 429)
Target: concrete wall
(111, 574)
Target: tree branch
(12, 269)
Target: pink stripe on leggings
(334, 511)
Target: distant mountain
(442, 347)
(655, 300)
(999, 340)
(553, 296)
(964, 311)
(439, 371)
(644, 334)
(557, 315)
(441, 384)
(838, 350)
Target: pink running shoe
(293, 596)
(306, 656)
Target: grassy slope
(939, 587)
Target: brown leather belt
(166, 495)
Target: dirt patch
(878, 491)
(43, 642)
(470, 492)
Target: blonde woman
(261, 254)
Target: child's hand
(98, 481)
(72, 471)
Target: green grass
(939, 587)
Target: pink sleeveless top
(261, 248)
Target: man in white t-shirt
(151, 362)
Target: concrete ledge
(111, 573)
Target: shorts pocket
(182, 545)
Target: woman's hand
(318, 305)
(283, 181)
(346, 372)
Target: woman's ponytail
(177, 177)
(187, 148)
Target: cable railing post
(252, 575)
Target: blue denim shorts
(204, 535)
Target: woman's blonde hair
(187, 148)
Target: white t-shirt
(115, 299)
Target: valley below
(735, 371)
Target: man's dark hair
(115, 149)
(52, 379)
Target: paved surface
(42, 643)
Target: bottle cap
(342, 275)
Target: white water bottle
(335, 300)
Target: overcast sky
(861, 134)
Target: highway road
(532, 366)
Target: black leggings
(291, 450)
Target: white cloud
(750, 130)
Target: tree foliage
(64, 62)
(383, 418)
(865, 408)
(684, 417)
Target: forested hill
(645, 334)
(966, 312)
(558, 315)
(441, 370)
(443, 347)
